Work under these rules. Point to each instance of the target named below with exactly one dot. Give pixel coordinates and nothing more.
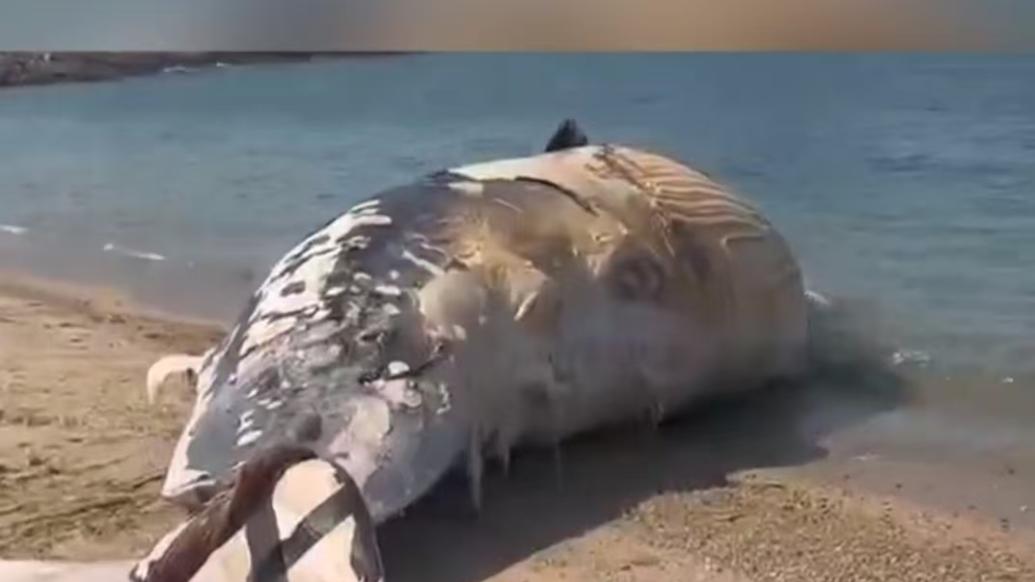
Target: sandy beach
(715, 498)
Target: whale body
(501, 304)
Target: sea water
(906, 183)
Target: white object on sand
(167, 366)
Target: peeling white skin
(249, 437)
(315, 262)
(246, 417)
(512, 168)
(619, 358)
(452, 302)
(422, 263)
(245, 425)
(389, 290)
(370, 423)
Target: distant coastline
(42, 68)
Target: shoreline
(20, 69)
(77, 295)
(82, 456)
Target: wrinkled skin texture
(500, 304)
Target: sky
(619, 25)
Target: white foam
(178, 69)
(917, 357)
(145, 255)
(13, 229)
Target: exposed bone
(170, 365)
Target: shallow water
(905, 183)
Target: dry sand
(81, 460)
(81, 453)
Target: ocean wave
(147, 256)
(13, 229)
(916, 357)
(178, 69)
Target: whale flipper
(568, 135)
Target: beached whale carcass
(503, 303)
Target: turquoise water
(906, 183)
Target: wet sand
(740, 492)
(81, 453)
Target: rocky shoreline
(39, 68)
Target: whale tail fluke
(568, 135)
